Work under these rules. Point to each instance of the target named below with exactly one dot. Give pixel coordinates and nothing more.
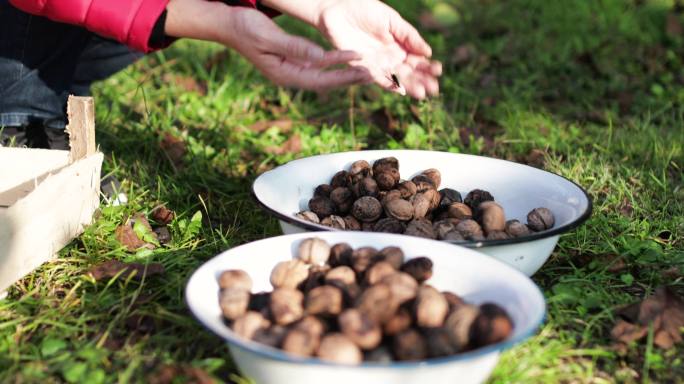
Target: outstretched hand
(284, 59)
(386, 43)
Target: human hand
(386, 42)
(285, 59)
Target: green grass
(597, 85)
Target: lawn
(591, 90)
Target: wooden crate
(47, 197)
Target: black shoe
(34, 135)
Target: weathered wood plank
(81, 127)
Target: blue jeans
(41, 63)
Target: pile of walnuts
(349, 305)
(375, 198)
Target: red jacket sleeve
(127, 21)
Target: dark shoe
(34, 135)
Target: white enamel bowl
(474, 276)
(286, 190)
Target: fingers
(292, 74)
(408, 36)
(295, 47)
(331, 58)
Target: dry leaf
(284, 125)
(664, 310)
(111, 268)
(163, 215)
(291, 145)
(187, 83)
(536, 158)
(126, 236)
(168, 374)
(673, 26)
(174, 148)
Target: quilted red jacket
(127, 21)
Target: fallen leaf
(168, 374)
(111, 268)
(126, 236)
(187, 83)
(383, 119)
(284, 125)
(673, 26)
(536, 158)
(663, 310)
(463, 54)
(291, 145)
(174, 148)
(162, 215)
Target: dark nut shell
(389, 225)
(460, 211)
(340, 254)
(286, 305)
(497, 235)
(477, 196)
(248, 324)
(387, 196)
(235, 278)
(258, 302)
(289, 274)
(421, 205)
(385, 163)
(423, 183)
(337, 348)
(334, 221)
(392, 255)
(362, 258)
(323, 190)
(443, 227)
(515, 228)
(470, 230)
(378, 271)
(407, 189)
(308, 216)
(376, 303)
(399, 209)
(312, 325)
(342, 274)
(367, 209)
(420, 228)
(434, 175)
(540, 219)
(491, 325)
(453, 299)
(343, 199)
(341, 179)
(454, 235)
(368, 227)
(315, 279)
(434, 198)
(233, 302)
(272, 336)
(381, 354)
(431, 307)
(420, 268)
(459, 323)
(322, 206)
(409, 345)
(324, 300)
(301, 343)
(439, 342)
(351, 224)
(359, 169)
(360, 329)
(387, 179)
(492, 217)
(401, 321)
(448, 197)
(368, 187)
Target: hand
(284, 59)
(386, 42)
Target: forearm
(198, 19)
(306, 10)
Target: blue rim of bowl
(280, 355)
(290, 219)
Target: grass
(598, 86)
